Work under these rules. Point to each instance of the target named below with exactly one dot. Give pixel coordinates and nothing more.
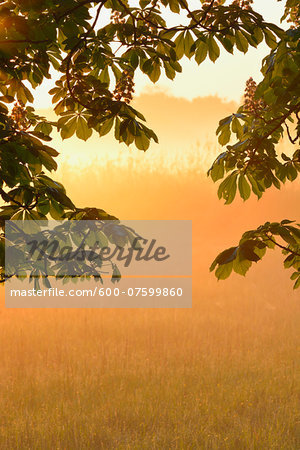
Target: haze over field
(224, 374)
(221, 375)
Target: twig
(283, 247)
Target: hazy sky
(185, 123)
(226, 78)
(185, 128)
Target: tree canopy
(97, 60)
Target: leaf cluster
(253, 246)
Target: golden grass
(222, 375)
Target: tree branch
(295, 109)
(23, 41)
(79, 5)
(293, 141)
(73, 50)
(6, 277)
(283, 247)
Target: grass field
(222, 375)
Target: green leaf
(27, 93)
(174, 6)
(241, 42)
(258, 34)
(217, 171)
(61, 198)
(244, 187)
(227, 43)
(228, 187)
(256, 188)
(18, 215)
(47, 161)
(224, 136)
(297, 284)
(188, 42)
(179, 42)
(106, 126)
(247, 251)
(213, 49)
(82, 130)
(170, 72)
(224, 271)
(43, 206)
(56, 211)
(227, 256)
(201, 52)
(142, 142)
(241, 266)
(237, 127)
(69, 128)
(104, 77)
(289, 261)
(270, 38)
(155, 72)
(286, 236)
(295, 275)
(7, 98)
(291, 172)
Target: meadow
(222, 375)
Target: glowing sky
(182, 122)
(226, 78)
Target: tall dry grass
(222, 375)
